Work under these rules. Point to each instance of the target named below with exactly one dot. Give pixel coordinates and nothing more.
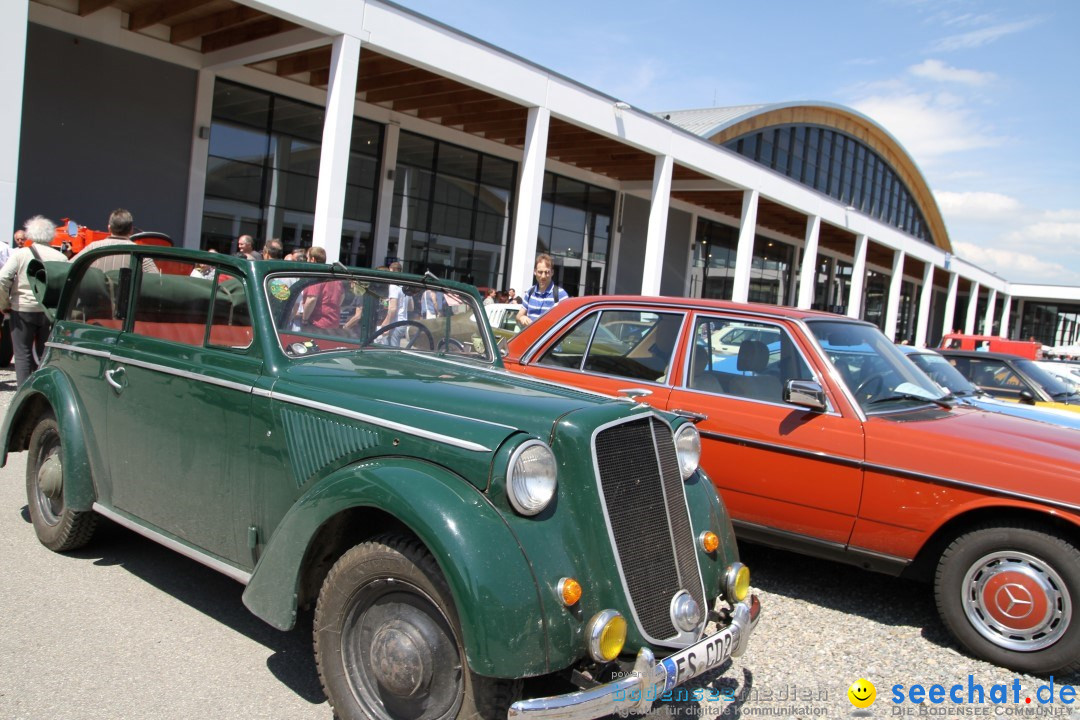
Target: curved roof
(719, 125)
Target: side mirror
(1026, 398)
(806, 394)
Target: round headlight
(685, 612)
(688, 449)
(531, 478)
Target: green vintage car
(300, 428)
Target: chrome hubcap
(50, 487)
(1016, 601)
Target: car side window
(569, 350)
(632, 344)
(995, 374)
(173, 305)
(230, 322)
(744, 359)
(101, 292)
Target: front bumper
(650, 680)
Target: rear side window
(101, 292)
(173, 307)
(632, 344)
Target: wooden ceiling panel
(728, 202)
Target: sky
(984, 95)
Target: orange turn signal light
(569, 591)
(709, 541)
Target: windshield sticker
(280, 289)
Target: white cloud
(1049, 231)
(1015, 266)
(928, 125)
(976, 205)
(1062, 215)
(982, 36)
(940, 72)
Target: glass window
(569, 351)
(632, 344)
(230, 321)
(102, 292)
(575, 228)
(175, 305)
(744, 359)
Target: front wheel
(1009, 595)
(388, 640)
(58, 527)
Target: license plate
(698, 658)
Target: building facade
(376, 133)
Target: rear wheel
(1010, 595)
(58, 527)
(388, 640)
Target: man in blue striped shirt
(542, 296)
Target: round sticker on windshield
(280, 289)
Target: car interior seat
(700, 377)
(754, 383)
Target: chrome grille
(642, 491)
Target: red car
(823, 438)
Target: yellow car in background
(1010, 377)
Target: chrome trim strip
(828, 549)
(380, 422)
(202, 558)
(76, 349)
(447, 414)
(259, 392)
(611, 533)
(786, 449)
(186, 374)
(515, 376)
(889, 470)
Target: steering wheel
(405, 323)
(451, 344)
(875, 381)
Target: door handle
(690, 415)
(110, 377)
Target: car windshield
(1056, 388)
(321, 313)
(943, 373)
(880, 378)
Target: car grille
(642, 491)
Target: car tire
(1011, 595)
(58, 527)
(388, 640)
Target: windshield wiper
(946, 401)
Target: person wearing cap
(30, 326)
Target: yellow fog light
(709, 541)
(569, 591)
(607, 635)
(737, 582)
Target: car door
(180, 383)
(597, 353)
(784, 471)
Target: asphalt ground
(127, 629)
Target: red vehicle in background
(1024, 348)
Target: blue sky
(984, 95)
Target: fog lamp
(607, 635)
(569, 591)
(709, 541)
(736, 582)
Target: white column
(336, 139)
(808, 274)
(858, 278)
(657, 230)
(530, 191)
(1006, 301)
(950, 305)
(973, 301)
(893, 302)
(744, 255)
(688, 271)
(988, 320)
(927, 296)
(383, 220)
(12, 71)
(200, 151)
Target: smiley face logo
(862, 693)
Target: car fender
(491, 579)
(54, 388)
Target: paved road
(127, 629)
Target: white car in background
(503, 316)
(1065, 372)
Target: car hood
(476, 404)
(985, 449)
